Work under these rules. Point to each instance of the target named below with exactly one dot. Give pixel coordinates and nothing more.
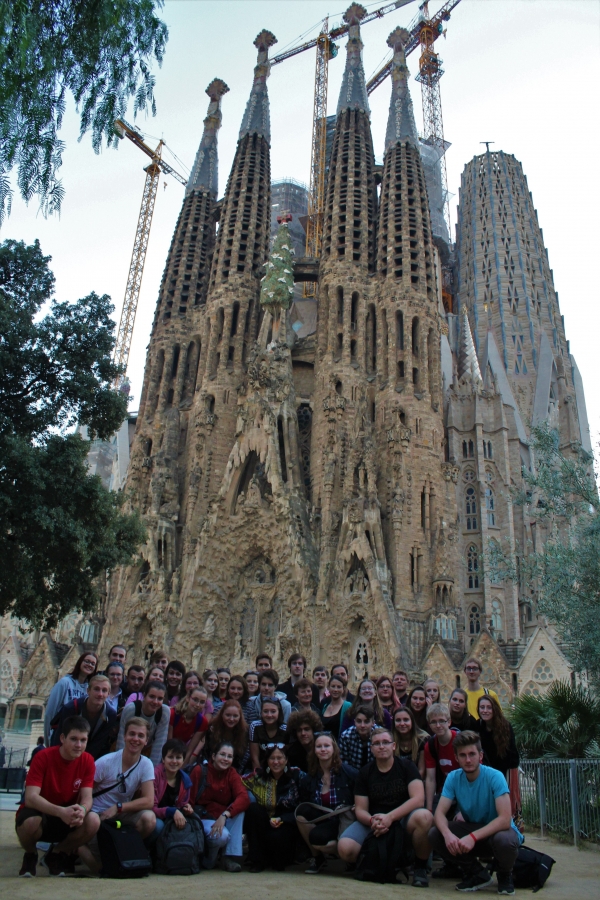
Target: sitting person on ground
(329, 784)
(497, 736)
(297, 667)
(269, 729)
(302, 726)
(174, 681)
(154, 674)
(156, 713)
(237, 689)
(321, 680)
(386, 693)
(304, 696)
(409, 739)
(187, 722)
(172, 788)
(220, 799)
(57, 806)
(440, 758)
(335, 708)
(124, 788)
(400, 682)
(116, 675)
(473, 670)
(68, 688)
(485, 827)
(460, 716)
(417, 703)
(388, 790)
(270, 825)
(229, 727)
(95, 709)
(355, 742)
(367, 693)
(432, 691)
(268, 679)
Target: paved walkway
(576, 876)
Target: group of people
(304, 769)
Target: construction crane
(424, 32)
(140, 244)
(326, 50)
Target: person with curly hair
(229, 726)
(496, 735)
(302, 726)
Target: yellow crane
(140, 244)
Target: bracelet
(473, 836)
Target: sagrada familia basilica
(330, 475)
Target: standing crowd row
(303, 770)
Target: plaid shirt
(352, 749)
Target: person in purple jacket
(171, 787)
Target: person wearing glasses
(473, 669)
(70, 687)
(270, 825)
(388, 790)
(329, 784)
(440, 758)
(367, 694)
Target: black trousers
(268, 846)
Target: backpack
(138, 711)
(381, 858)
(531, 869)
(178, 851)
(122, 851)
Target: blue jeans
(230, 840)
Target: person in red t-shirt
(439, 752)
(58, 802)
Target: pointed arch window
(474, 620)
(490, 505)
(497, 621)
(473, 567)
(471, 509)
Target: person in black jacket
(497, 736)
(95, 709)
(329, 784)
(297, 667)
(459, 711)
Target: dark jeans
(502, 846)
(268, 846)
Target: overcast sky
(523, 74)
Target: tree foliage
(99, 51)
(564, 723)
(60, 528)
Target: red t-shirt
(60, 779)
(185, 731)
(446, 760)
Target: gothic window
(543, 673)
(304, 433)
(473, 567)
(490, 506)
(497, 623)
(399, 330)
(471, 509)
(520, 365)
(469, 475)
(474, 620)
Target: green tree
(98, 51)
(60, 528)
(564, 723)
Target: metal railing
(562, 797)
(16, 759)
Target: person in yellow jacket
(473, 669)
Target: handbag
(345, 814)
(516, 804)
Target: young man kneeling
(486, 829)
(387, 790)
(58, 802)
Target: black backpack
(532, 869)
(381, 858)
(138, 711)
(122, 851)
(178, 851)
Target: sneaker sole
(471, 890)
(26, 875)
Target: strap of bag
(486, 691)
(122, 780)
(328, 813)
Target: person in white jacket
(69, 688)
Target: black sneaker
(420, 878)
(479, 879)
(505, 884)
(316, 864)
(58, 864)
(28, 867)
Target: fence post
(542, 799)
(574, 800)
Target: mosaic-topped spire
(204, 175)
(256, 117)
(468, 364)
(401, 121)
(353, 93)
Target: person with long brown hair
(188, 722)
(229, 726)
(367, 694)
(387, 694)
(417, 703)
(496, 735)
(71, 687)
(410, 740)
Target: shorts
(358, 832)
(54, 830)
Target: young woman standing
(367, 694)
(410, 740)
(68, 688)
(497, 736)
(432, 691)
(387, 694)
(174, 681)
(460, 716)
(417, 702)
(116, 673)
(210, 680)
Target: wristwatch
(119, 808)
(227, 814)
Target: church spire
(204, 175)
(401, 121)
(256, 117)
(468, 364)
(353, 93)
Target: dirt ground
(576, 876)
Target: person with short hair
(154, 674)
(269, 729)
(155, 712)
(57, 805)
(440, 758)
(136, 675)
(159, 658)
(301, 728)
(400, 682)
(124, 787)
(341, 671)
(117, 653)
(473, 669)
(304, 696)
(297, 667)
(321, 680)
(486, 827)
(172, 787)
(96, 711)
(268, 679)
(69, 688)
(115, 672)
(355, 742)
(174, 680)
(460, 716)
(263, 661)
(388, 790)
(410, 740)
